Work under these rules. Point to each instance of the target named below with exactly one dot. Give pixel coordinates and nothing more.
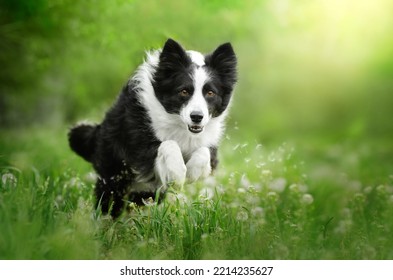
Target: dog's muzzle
(196, 118)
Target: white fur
(198, 167)
(197, 102)
(169, 165)
(171, 126)
(196, 57)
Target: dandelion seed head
(257, 212)
(359, 197)
(242, 216)
(294, 188)
(152, 241)
(9, 179)
(343, 226)
(241, 190)
(381, 189)
(219, 230)
(252, 199)
(272, 196)
(210, 181)
(244, 182)
(307, 199)
(177, 197)
(234, 204)
(368, 190)
(278, 185)
(303, 188)
(266, 173)
(90, 177)
(206, 193)
(149, 202)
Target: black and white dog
(163, 129)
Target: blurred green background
(319, 69)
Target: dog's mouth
(195, 128)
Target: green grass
(302, 200)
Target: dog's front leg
(169, 164)
(199, 167)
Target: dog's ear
(173, 55)
(224, 61)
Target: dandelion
(359, 197)
(244, 182)
(368, 190)
(90, 177)
(381, 189)
(252, 199)
(258, 147)
(206, 194)
(219, 230)
(242, 216)
(210, 181)
(149, 202)
(294, 188)
(234, 204)
(273, 196)
(307, 199)
(9, 179)
(241, 190)
(257, 212)
(266, 173)
(303, 188)
(152, 241)
(278, 185)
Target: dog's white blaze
(197, 102)
(196, 57)
(171, 126)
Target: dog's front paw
(198, 167)
(170, 166)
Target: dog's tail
(82, 139)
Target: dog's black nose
(196, 116)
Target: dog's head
(196, 87)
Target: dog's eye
(210, 93)
(184, 93)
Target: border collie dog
(164, 128)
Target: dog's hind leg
(110, 196)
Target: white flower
(244, 181)
(241, 190)
(307, 199)
(9, 179)
(242, 216)
(90, 177)
(258, 212)
(272, 196)
(206, 193)
(278, 185)
(149, 202)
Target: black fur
(124, 146)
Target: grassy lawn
(301, 200)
